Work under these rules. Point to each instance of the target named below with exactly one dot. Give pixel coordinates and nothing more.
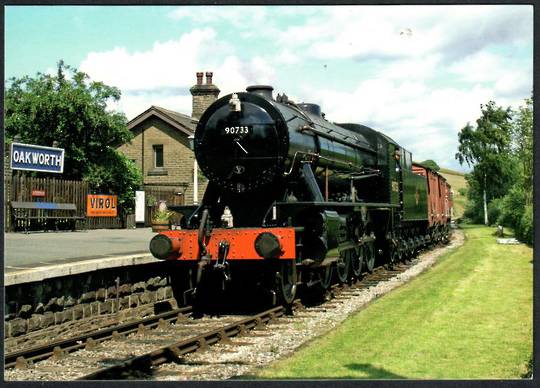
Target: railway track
(144, 363)
(25, 357)
(22, 358)
(175, 345)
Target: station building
(162, 148)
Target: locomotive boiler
(295, 200)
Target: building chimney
(203, 94)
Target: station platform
(40, 255)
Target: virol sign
(101, 205)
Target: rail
(172, 352)
(23, 357)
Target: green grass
(469, 317)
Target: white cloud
(171, 63)
(287, 57)
(430, 67)
(424, 120)
(163, 75)
(407, 31)
(422, 67)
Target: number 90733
(238, 130)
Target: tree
(522, 144)
(71, 109)
(430, 164)
(487, 147)
(517, 204)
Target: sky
(416, 73)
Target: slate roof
(180, 121)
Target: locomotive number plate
(237, 130)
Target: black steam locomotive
(295, 200)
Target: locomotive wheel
(417, 245)
(325, 274)
(402, 251)
(394, 256)
(411, 248)
(343, 266)
(357, 262)
(369, 257)
(286, 279)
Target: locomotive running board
(337, 204)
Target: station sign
(30, 157)
(101, 205)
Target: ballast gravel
(244, 355)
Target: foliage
(525, 230)
(512, 207)
(162, 215)
(462, 191)
(71, 110)
(495, 210)
(500, 150)
(430, 164)
(487, 148)
(523, 146)
(151, 200)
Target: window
(158, 155)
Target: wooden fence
(19, 187)
(154, 195)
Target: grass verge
(469, 317)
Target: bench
(45, 215)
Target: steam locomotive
(294, 200)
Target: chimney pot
(203, 95)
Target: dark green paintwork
(414, 196)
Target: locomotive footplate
(241, 244)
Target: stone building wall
(177, 172)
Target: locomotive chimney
(203, 94)
(262, 90)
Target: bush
(495, 209)
(474, 212)
(524, 231)
(513, 207)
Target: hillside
(457, 181)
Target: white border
(39, 147)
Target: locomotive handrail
(319, 156)
(339, 204)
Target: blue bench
(45, 215)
